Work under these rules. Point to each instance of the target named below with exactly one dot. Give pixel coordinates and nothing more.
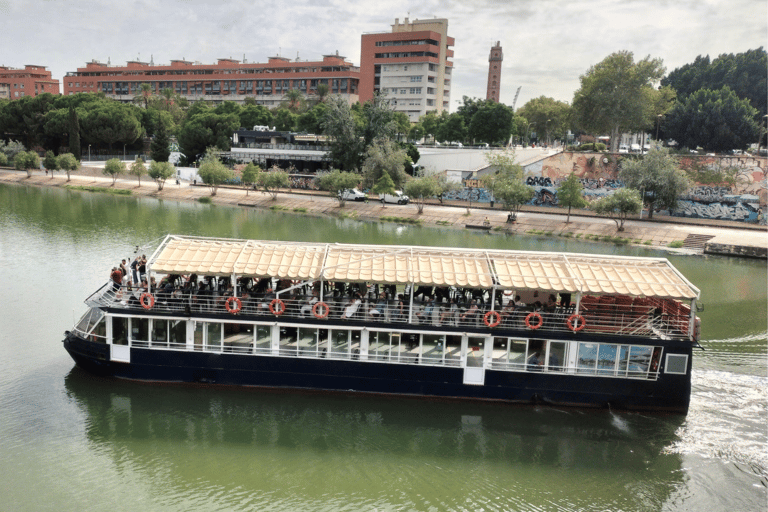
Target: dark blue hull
(666, 393)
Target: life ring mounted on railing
(576, 322)
(233, 305)
(537, 316)
(317, 307)
(277, 307)
(147, 304)
(496, 318)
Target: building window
(416, 78)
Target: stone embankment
(692, 235)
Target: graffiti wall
(744, 199)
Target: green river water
(69, 441)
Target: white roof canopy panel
(444, 266)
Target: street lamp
(546, 129)
(89, 152)
(658, 122)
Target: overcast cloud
(547, 44)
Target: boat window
(517, 354)
(198, 336)
(140, 330)
(308, 341)
(178, 333)
(263, 338)
(99, 331)
(500, 350)
(159, 332)
(606, 359)
(639, 361)
(288, 340)
(623, 359)
(213, 336)
(379, 345)
(238, 337)
(587, 359)
(339, 343)
(432, 348)
(409, 347)
(89, 320)
(558, 355)
(399, 347)
(119, 331)
(453, 350)
(475, 351)
(355, 343)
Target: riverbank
(687, 236)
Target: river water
(69, 441)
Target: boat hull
(666, 393)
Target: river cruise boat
(450, 323)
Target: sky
(547, 44)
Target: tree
(443, 186)
(74, 134)
(138, 169)
(311, 121)
(160, 147)
(255, 115)
(3, 160)
(273, 180)
(50, 162)
(11, 148)
(26, 161)
(432, 122)
(402, 124)
(617, 96)
(336, 182)
(110, 123)
(744, 73)
(658, 175)
(114, 168)
(549, 118)
(213, 172)
(714, 120)
(384, 186)
(249, 175)
(570, 193)
(492, 123)
(204, 129)
(161, 171)
(506, 184)
(294, 101)
(321, 93)
(618, 206)
(346, 144)
(419, 189)
(144, 96)
(453, 129)
(69, 164)
(416, 132)
(285, 119)
(385, 156)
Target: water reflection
(374, 443)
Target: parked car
(352, 195)
(398, 197)
(623, 148)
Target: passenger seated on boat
(266, 299)
(351, 307)
(380, 308)
(398, 314)
(471, 314)
(535, 363)
(551, 303)
(306, 309)
(427, 314)
(508, 314)
(451, 313)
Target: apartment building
(30, 81)
(409, 65)
(227, 80)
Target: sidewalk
(714, 237)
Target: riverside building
(227, 80)
(30, 81)
(409, 65)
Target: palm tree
(322, 93)
(293, 100)
(145, 93)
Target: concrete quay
(697, 235)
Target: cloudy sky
(547, 44)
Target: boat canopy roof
(430, 266)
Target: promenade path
(724, 237)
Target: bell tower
(494, 72)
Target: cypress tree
(74, 133)
(160, 146)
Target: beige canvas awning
(444, 266)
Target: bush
(3, 159)
(599, 146)
(587, 147)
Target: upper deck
(433, 287)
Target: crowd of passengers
(345, 301)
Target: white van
(352, 194)
(623, 148)
(398, 197)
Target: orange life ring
(238, 305)
(147, 305)
(280, 309)
(492, 323)
(317, 306)
(534, 315)
(581, 323)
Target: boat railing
(654, 320)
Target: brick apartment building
(30, 81)
(409, 65)
(227, 80)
